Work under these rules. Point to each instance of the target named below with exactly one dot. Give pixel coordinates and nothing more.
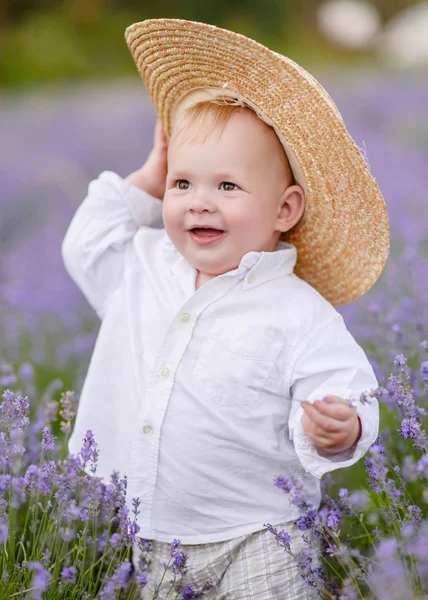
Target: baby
(216, 367)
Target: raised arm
(94, 245)
(151, 178)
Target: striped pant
(249, 567)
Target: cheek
(249, 216)
(171, 213)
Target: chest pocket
(234, 363)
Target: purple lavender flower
(359, 499)
(417, 548)
(68, 574)
(187, 593)
(378, 471)
(66, 534)
(285, 538)
(179, 563)
(421, 468)
(343, 493)
(114, 540)
(117, 582)
(141, 580)
(40, 580)
(89, 450)
(114, 494)
(424, 372)
(14, 411)
(26, 371)
(3, 533)
(48, 442)
(312, 576)
(292, 487)
(307, 521)
(410, 428)
(333, 519)
(282, 537)
(145, 546)
(68, 410)
(415, 514)
(400, 361)
(387, 548)
(31, 477)
(8, 380)
(174, 544)
(387, 576)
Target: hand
(152, 176)
(332, 424)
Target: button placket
(162, 391)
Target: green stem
(171, 586)
(372, 542)
(163, 576)
(113, 557)
(79, 551)
(23, 592)
(36, 505)
(40, 528)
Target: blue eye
(228, 186)
(182, 184)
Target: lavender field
(68, 535)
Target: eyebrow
(226, 176)
(223, 175)
(178, 174)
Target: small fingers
(323, 421)
(160, 137)
(337, 409)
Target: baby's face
(235, 183)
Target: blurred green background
(50, 41)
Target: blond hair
(200, 120)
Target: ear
(292, 207)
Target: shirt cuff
(318, 465)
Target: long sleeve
(330, 362)
(93, 248)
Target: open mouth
(206, 232)
(205, 237)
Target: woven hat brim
(343, 239)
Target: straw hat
(342, 239)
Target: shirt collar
(259, 266)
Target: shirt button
(184, 318)
(148, 429)
(164, 372)
(251, 278)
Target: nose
(200, 199)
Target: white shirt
(195, 395)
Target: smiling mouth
(207, 239)
(206, 232)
